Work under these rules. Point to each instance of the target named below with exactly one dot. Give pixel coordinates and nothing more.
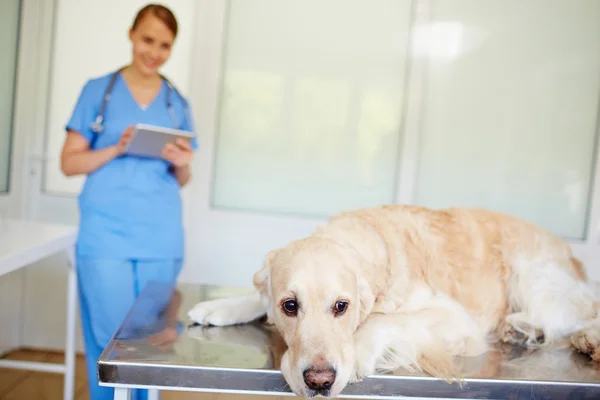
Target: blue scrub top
(130, 208)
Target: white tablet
(149, 140)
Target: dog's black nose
(319, 379)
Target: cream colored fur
(423, 287)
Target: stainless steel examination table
(245, 359)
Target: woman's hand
(179, 153)
(78, 159)
(124, 141)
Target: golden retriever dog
(382, 288)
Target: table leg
(122, 393)
(153, 394)
(69, 378)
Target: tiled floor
(30, 385)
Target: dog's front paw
(214, 312)
(521, 334)
(587, 342)
(363, 367)
(360, 372)
(227, 311)
(356, 377)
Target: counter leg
(69, 378)
(153, 394)
(122, 393)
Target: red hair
(159, 11)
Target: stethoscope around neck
(98, 124)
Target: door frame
(10, 201)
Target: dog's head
(315, 294)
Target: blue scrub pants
(107, 290)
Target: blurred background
(307, 108)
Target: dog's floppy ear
(261, 282)
(262, 276)
(365, 296)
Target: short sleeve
(82, 115)
(188, 124)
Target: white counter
(23, 243)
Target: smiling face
(312, 291)
(152, 41)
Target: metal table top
(147, 351)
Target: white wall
(11, 311)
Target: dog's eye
(340, 307)
(290, 307)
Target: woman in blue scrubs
(130, 207)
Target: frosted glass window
(9, 36)
(310, 108)
(511, 109)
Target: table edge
(24, 258)
(247, 380)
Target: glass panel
(311, 105)
(9, 34)
(511, 109)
